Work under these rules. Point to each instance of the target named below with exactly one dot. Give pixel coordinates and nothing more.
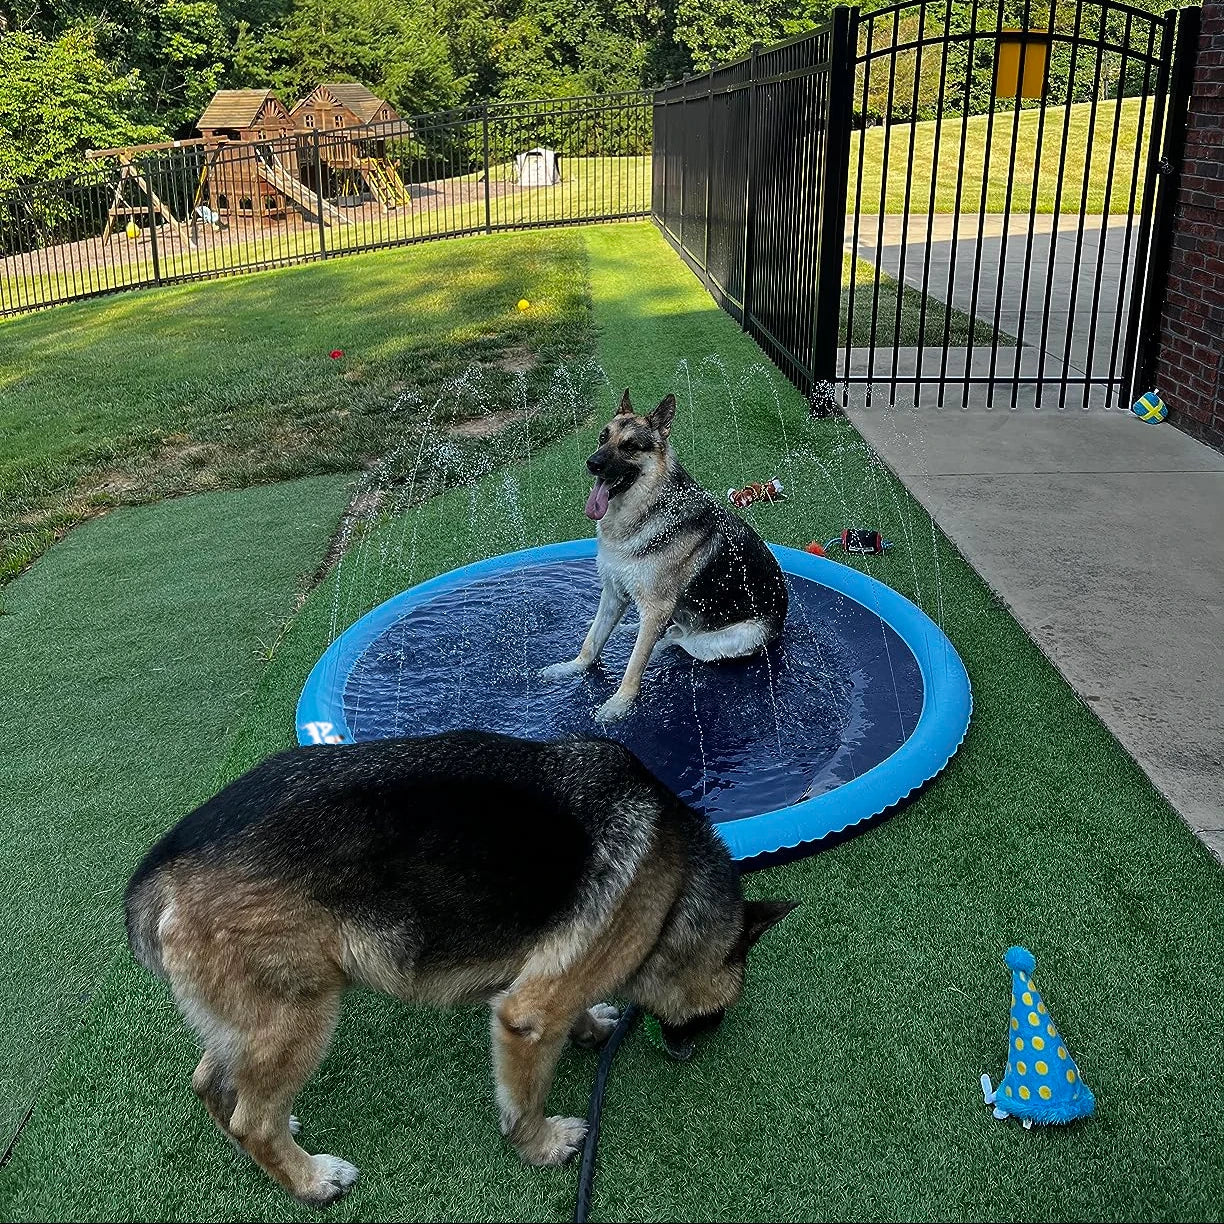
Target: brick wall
(1190, 369)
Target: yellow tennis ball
(132, 229)
(523, 303)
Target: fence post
(705, 258)
(826, 321)
(684, 154)
(318, 168)
(488, 215)
(658, 152)
(1172, 163)
(148, 185)
(1139, 307)
(750, 186)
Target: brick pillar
(1190, 368)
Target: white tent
(538, 168)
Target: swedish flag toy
(1042, 1083)
(1151, 408)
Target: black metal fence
(201, 210)
(746, 186)
(938, 194)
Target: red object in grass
(336, 354)
(817, 550)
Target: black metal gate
(965, 198)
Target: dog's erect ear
(661, 418)
(759, 916)
(626, 408)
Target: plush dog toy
(741, 499)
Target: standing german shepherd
(699, 575)
(458, 868)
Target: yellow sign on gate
(1033, 46)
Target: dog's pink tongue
(597, 503)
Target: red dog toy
(852, 540)
(741, 499)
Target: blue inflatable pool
(862, 701)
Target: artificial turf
(845, 1084)
(126, 661)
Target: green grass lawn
(227, 384)
(845, 1085)
(1064, 128)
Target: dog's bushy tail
(144, 905)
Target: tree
(714, 31)
(180, 48)
(567, 47)
(472, 33)
(251, 66)
(182, 55)
(59, 97)
(397, 48)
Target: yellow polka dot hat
(1042, 1083)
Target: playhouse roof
(234, 108)
(352, 96)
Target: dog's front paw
(614, 708)
(554, 1142)
(563, 671)
(333, 1178)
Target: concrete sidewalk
(1105, 538)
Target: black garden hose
(586, 1170)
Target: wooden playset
(334, 111)
(234, 118)
(256, 163)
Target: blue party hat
(1042, 1083)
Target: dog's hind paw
(563, 671)
(595, 1025)
(556, 1141)
(333, 1178)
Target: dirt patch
(175, 452)
(517, 360)
(113, 482)
(483, 426)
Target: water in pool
(838, 695)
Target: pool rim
(947, 700)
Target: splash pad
(862, 701)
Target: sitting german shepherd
(700, 576)
(465, 867)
